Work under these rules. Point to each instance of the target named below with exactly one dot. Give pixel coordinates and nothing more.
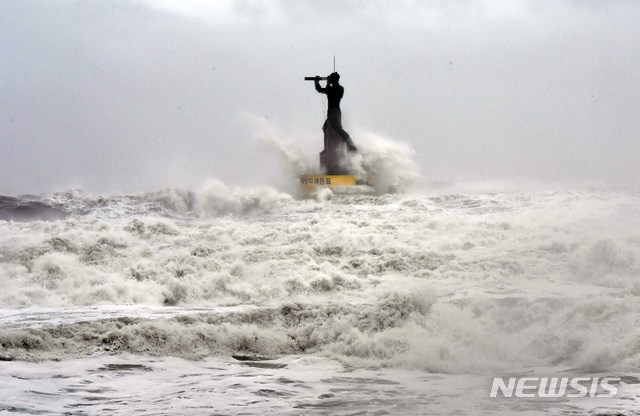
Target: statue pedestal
(334, 159)
(338, 184)
(335, 162)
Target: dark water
(28, 208)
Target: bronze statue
(334, 159)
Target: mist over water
(387, 164)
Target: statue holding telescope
(337, 142)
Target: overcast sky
(119, 96)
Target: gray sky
(119, 96)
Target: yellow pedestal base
(312, 184)
(327, 180)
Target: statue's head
(334, 78)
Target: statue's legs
(334, 117)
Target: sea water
(251, 301)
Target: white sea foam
(387, 164)
(215, 198)
(457, 283)
(291, 158)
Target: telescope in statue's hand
(314, 78)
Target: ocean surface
(253, 301)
